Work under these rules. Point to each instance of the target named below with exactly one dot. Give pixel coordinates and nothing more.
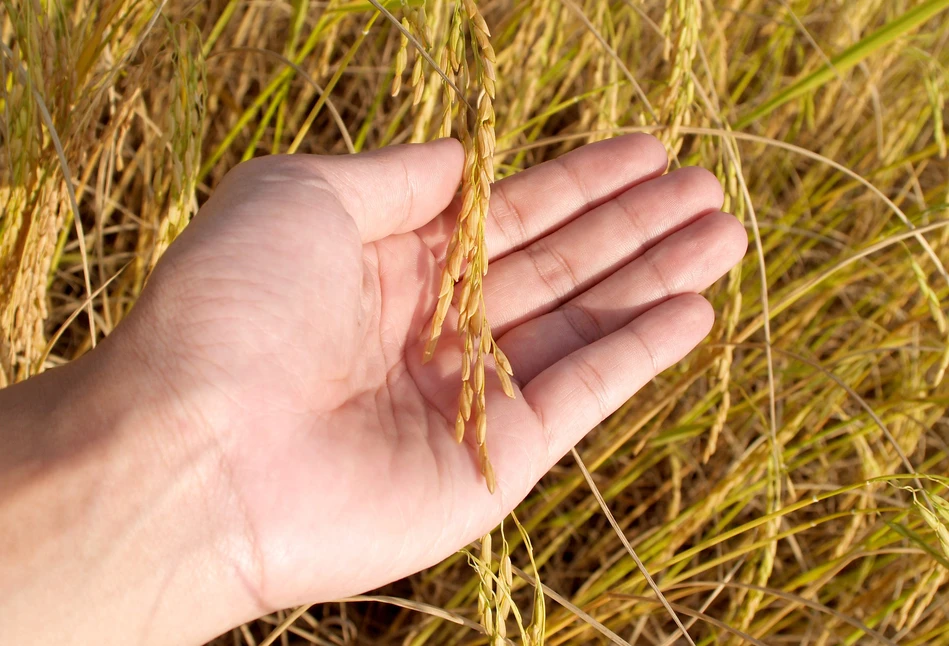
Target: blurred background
(786, 484)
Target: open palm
(289, 319)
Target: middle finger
(554, 269)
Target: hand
(285, 329)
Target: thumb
(398, 188)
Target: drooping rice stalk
(467, 258)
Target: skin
(260, 431)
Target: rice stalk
(187, 124)
(467, 256)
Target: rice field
(785, 484)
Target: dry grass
(785, 484)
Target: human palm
(288, 323)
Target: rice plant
(785, 484)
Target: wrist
(118, 512)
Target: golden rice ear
(464, 298)
(438, 319)
(401, 61)
(419, 87)
(502, 360)
(429, 352)
(489, 477)
(506, 384)
(468, 247)
(456, 256)
(479, 374)
(465, 399)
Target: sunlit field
(786, 484)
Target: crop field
(786, 483)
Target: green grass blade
(849, 57)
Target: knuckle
(697, 178)
(649, 351)
(574, 178)
(507, 216)
(552, 268)
(587, 328)
(594, 383)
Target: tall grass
(785, 484)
